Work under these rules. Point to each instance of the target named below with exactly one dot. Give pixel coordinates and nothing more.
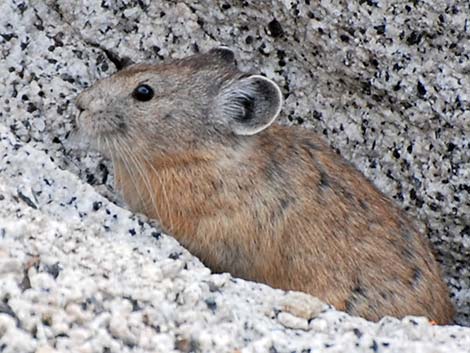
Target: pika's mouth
(100, 131)
(99, 124)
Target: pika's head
(177, 105)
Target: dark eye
(143, 93)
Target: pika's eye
(143, 93)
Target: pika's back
(357, 249)
(193, 146)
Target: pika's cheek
(101, 123)
(85, 122)
(89, 123)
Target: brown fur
(280, 207)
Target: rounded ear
(223, 54)
(249, 105)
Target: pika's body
(192, 146)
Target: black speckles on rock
(275, 29)
(175, 255)
(211, 304)
(417, 200)
(380, 29)
(344, 38)
(104, 172)
(8, 36)
(358, 333)
(72, 200)
(97, 205)
(5, 308)
(27, 200)
(282, 57)
(134, 303)
(396, 153)
(90, 179)
(156, 235)
(414, 38)
(249, 40)
(374, 346)
(53, 270)
(421, 89)
(31, 108)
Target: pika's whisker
(143, 175)
(165, 196)
(128, 167)
(112, 152)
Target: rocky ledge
(387, 84)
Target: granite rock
(387, 83)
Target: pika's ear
(224, 54)
(250, 104)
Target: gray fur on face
(204, 95)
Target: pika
(194, 146)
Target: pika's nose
(91, 100)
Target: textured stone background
(386, 82)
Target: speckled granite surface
(386, 82)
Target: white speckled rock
(386, 82)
